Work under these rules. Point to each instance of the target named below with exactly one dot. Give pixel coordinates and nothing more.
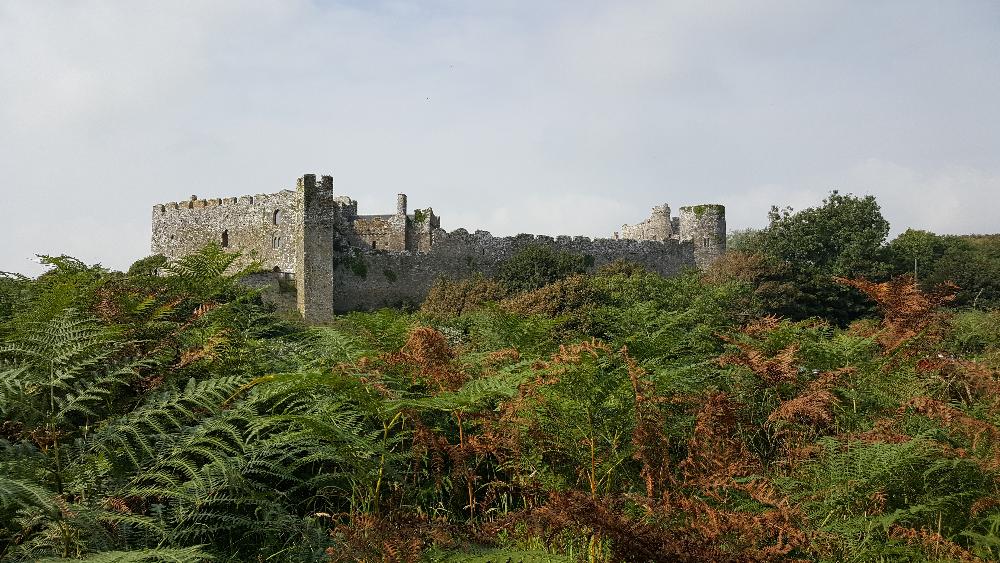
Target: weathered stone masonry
(342, 261)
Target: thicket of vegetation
(799, 401)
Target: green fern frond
(60, 370)
(474, 393)
(18, 492)
(194, 554)
(134, 437)
(500, 555)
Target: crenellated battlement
(197, 203)
(342, 261)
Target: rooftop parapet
(243, 200)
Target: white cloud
(563, 117)
(950, 200)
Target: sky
(553, 117)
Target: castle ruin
(342, 261)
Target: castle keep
(342, 261)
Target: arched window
(276, 218)
(225, 238)
(276, 242)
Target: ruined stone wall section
(368, 280)
(657, 227)
(381, 232)
(246, 223)
(705, 227)
(420, 230)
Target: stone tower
(705, 226)
(314, 248)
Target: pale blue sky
(547, 117)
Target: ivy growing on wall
(353, 261)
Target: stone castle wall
(369, 280)
(342, 261)
(382, 232)
(263, 227)
(657, 227)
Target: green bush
(536, 265)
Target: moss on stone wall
(353, 261)
(389, 275)
(700, 210)
(286, 285)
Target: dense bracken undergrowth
(167, 414)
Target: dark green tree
(842, 237)
(915, 252)
(536, 265)
(970, 262)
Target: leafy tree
(842, 237)
(970, 262)
(915, 251)
(14, 291)
(148, 266)
(741, 240)
(537, 265)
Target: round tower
(705, 226)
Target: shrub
(537, 265)
(453, 298)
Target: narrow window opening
(276, 243)
(373, 245)
(276, 218)
(225, 239)
(707, 242)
